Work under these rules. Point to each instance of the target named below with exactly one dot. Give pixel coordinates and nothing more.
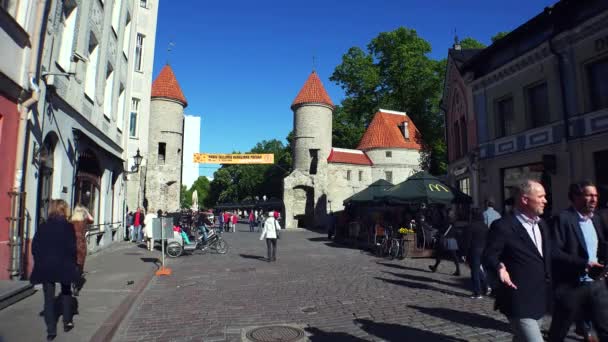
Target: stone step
(12, 291)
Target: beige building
(540, 103)
(324, 176)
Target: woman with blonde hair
(81, 218)
(54, 251)
(148, 231)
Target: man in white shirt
(490, 214)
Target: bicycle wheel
(221, 246)
(174, 249)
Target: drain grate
(275, 333)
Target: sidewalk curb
(109, 327)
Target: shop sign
(459, 170)
(438, 187)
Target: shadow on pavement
(255, 257)
(401, 267)
(318, 335)
(421, 286)
(155, 261)
(397, 333)
(462, 281)
(465, 318)
(317, 239)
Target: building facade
(20, 42)
(540, 99)
(324, 176)
(192, 142)
(137, 118)
(165, 144)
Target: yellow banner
(209, 158)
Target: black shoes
(432, 268)
(68, 326)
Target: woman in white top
(271, 233)
(148, 228)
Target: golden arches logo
(438, 187)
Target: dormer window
(404, 127)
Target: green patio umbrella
(421, 187)
(367, 195)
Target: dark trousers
(50, 311)
(251, 226)
(452, 254)
(271, 245)
(478, 276)
(588, 300)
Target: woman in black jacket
(475, 241)
(54, 251)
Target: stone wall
(340, 188)
(401, 162)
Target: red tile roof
(342, 155)
(165, 85)
(384, 132)
(312, 92)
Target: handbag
(448, 243)
(277, 229)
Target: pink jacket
(235, 219)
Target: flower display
(404, 230)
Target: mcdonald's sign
(438, 187)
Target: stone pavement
(333, 292)
(107, 294)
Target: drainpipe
(562, 87)
(24, 108)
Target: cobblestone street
(333, 292)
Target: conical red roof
(386, 131)
(165, 85)
(312, 92)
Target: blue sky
(241, 63)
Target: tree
(397, 73)
(185, 198)
(470, 43)
(499, 35)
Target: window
(464, 144)
(139, 50)
(388, 176)
(347, 174)
(456, 140)
(597, 74)
(162, 151)
(538, 105)
(108, 92)
(126, 40)
(133, 118)
(505, 121)
(143, 3)
(360, 176)
(314, 161)
(91, 77)
(389, 154)
(465, 186)
(68, 27)
(120, 110)
(117, 4)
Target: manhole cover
(276, 333)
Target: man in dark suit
(580, 246)
(518, 248)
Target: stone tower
(304, 190)
(164, 164)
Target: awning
(104, 143)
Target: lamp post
(137, 158)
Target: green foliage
(499, 35)
(234, 183)
(395, 73)
(470, 43)
(202, 186)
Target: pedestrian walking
(81, 218)
(475, 241)
(581, 246)
(518, 248)
(148, 229)
(221, 222)
(54, 251)
(138, 219)
(490, 214)
(271, 233)
(251, 221)
(227, 221)
(235, 220)
(129, 230)
(448, 246)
